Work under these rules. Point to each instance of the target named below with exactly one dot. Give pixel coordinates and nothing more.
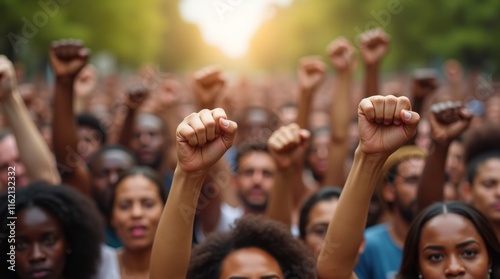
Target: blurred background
(250, 36)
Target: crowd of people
(163, 176)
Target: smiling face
(40, 245)
(136, 212)
(451, 247)
(250, 263)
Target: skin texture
(406, 186)
(88, 142)
(250, 263)
(461, 254)
(107, 168)
(136, 212)
(148, 141)
(455, 165)
(40, 245)
(255, 180)
(9, 157)
(319, 219)
(484, 194)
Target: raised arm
(208, 85)
(341, 55)
(202, 139)
(33, 150)
(67, 59)
(374, 45)
(310, 73)
(287, 146)
(137, 93)
(447, 122)
(385, 124)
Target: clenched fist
(288, 144)
(68, 57)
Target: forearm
(172, 244)
(281, 198)
(432, 182)
(305, 99)
(371, 80)
(345, 232)
(127, 131)
(33, 151)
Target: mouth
(496, 206)
(40, 273)
(138, 231)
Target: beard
(408, 212)
(253, 206)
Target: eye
(435, 257)
(124, 205)
(49, 240)
(469, 253)
(21, 245)
(268, 174)
(148, 203)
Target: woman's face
(451, 247)
(136, 212)
(40, 245)
(250, 263)
(319, 219)
(318, 154)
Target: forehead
(136, 186)
(489, 168)
(250, 262)
(411, 165)
(148, 122)
(116, 158)
(322, 212)
(34, 219)
(448, 230)
(254, 159)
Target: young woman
(57, 234)
(451, 240)
(137, 200)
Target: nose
(144, 138)
(112, 177)
(37, 254)
(455, 267)
(137, 210)
(257, 176)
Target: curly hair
(410, 263)
(253, 231)
(79, 219)
(481, 144)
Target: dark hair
(249, 146)
(325, 194)
(410, 263)
(107, 148)
(79, 219)
(253, 231)
(147, 172)
(481, 144)
(89, 120)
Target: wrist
(370, 158)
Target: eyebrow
(262, 277)
(460, 245)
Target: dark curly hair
(79, 219)
(253, 231)
(410, 264)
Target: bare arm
(374, 45)
(199, 146)
(342, 57)
(137, 93)
(377, 141)
(33, 150)
(310, 73)
(67, 59)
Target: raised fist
(311, 72)
(448, 120)
(341, 54)
(288, 144)
(7, 78)
(374, 45)
(208, 84)
(68, 57)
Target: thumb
(410, 120)
(304, 135)
(228, 129)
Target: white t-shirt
(108, 267)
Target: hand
(385, 124)
(168, 93)
(68, 57)
(448, 120)
(202, 139)
(424, 82)
(341, 54)
(8, 82)
(137, 93)
(86, 81)
(374, 45)
(288, 145)
(311, 72)
(208, 83)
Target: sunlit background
(250, 35)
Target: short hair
(252, 231)
(107, 148)
(78, 217)
(89, 120)
(481, 144)
(410, 263)
(148, 173)
(325, 194)
(249, 146)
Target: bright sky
(229, 24)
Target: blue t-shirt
(382, 257)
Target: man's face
(11, 165)
(254, 179)
(89, 142)
(405, 185)
(485, 191)
(148, 142)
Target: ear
(388, 192)
(466, 192)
